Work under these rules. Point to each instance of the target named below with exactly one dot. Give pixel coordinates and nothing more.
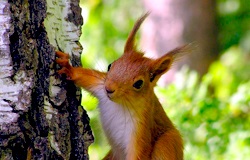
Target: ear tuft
(130, 46)
(181, 51)
(163, 64)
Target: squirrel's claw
(63, 62)
(62, 55)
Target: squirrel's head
(131, 78)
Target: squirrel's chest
(118, 123)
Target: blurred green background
(211, 110)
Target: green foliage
(213, 115)
(233, 23)
(106, 29)
(212, 112)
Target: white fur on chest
(118, 123)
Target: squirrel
(132, 117)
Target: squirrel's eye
(138, 84)
(109, 66)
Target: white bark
(40, 115)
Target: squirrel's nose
(109, 90)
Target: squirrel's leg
(168, 147)
(88, 79)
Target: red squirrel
(132, 117)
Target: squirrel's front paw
(63, 61)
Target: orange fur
(86, 78)
(133, 119)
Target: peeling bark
(40, 115)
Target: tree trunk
(40, 115)
(176, 22)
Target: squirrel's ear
(163, 64)
(160, 66)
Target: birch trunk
(40, 115)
